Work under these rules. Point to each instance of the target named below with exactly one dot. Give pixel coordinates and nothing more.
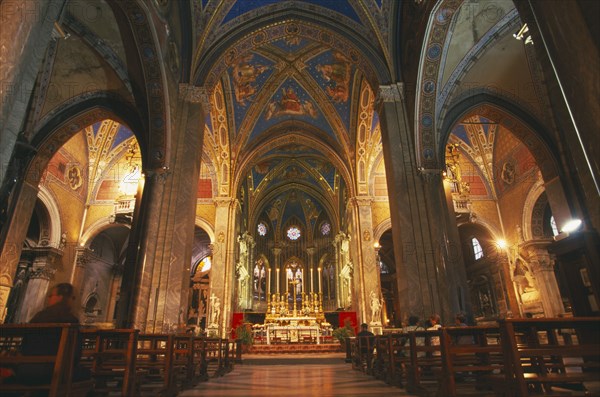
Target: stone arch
(54, 224)
(381, 228)
(524, 127)
(206, 226)
(95, 229)
(532, 197)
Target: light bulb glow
(571, 225)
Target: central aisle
(294, 375)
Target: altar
(293, 333)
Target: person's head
(364, 327)
(413, 320)
(434, 319)
(460, 319)
(63, 292)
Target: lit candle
(277, 280)
(268, 282)
(312, 280)
(320, 286)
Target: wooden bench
(392, 356)
(154, 355)
(362, 353)
(424, 369)
(470, 357)
(544, 356)
(111, 356)
(15, 340)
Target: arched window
(477, 250)
(553, 226)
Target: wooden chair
(60, 365)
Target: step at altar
(296, 348)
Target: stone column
(415, 214)
(509, 295)
(82, 258)
(222, 279)
(26, 32)
(12, 244)
(42, 273)
(542, 268)
(367, 285)
(567, 48)
(163, 228)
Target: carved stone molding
(391, 93)
(194, 94)
(224, 201)
(362, 200)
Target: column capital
(391, 93)
(362, 200)
(311, 250)
(276, 251)
(224, 201)
(193, 94)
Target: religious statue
(376, 305)
(243, 278)
(215, 305)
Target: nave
(294, 375)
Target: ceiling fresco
(293, 204)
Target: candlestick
(320, 286)
(269, 282)
(312, 279)
(278, 280)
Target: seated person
(366, 339)
(59, 310)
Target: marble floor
(294, 377)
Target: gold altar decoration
(309, 311)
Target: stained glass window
(325, 228)
(262, 229)
(293, 233)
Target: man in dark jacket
(59, 310)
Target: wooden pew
(60, 364)
(543, 356)
(470, 357)
(215, 364)
(155, 353)
(362, 353)
(399, 359)
(392, 355)
(424, 369)
(111, 355)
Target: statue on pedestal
(376, 304)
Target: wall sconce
(522, 34)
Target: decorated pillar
(416, 198)
(366, 280)
(12, 244)
(222, 282)
(42, 274)
(541, 265)
(82, 259)
(163, 228)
